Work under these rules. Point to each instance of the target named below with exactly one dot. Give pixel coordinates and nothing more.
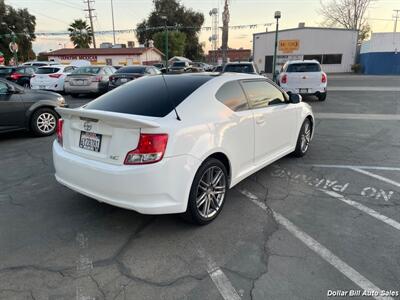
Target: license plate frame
(303, 91)
(42, 87)
(90, 141)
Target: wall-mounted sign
(288, 46)
(91, 58)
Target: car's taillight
(151, 149)
(55, 75)
(96, 79)
(59, 131)
(284, 79)
(16, 76)
(323, 78)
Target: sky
(56, 15)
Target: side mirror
(295, 98)
(11, 89)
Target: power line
(90, 12)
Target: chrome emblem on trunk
(87, 126)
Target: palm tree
(80, 34)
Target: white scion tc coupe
(177, 143)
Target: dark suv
(20, 75)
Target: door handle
(260, 120)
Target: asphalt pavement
(321, 226)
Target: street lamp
(277, 17)
(166, 41)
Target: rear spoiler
(117, 119)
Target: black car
(180, 67)
(241, 67)
(20, 75)
(127, 74)
(27, 109)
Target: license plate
(303, 91)
(42, 87)
(80, 82)
(90, 141)
(124, 80)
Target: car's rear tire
(208, 192)
(26, 85)
(322, 96)
(304, 139)
(44, 122)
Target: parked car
(127, 74)
(19, 75)
(88, 80)
(40, 63)
(204, 66)
(51, 78)
(28, 109)
(161, 67)
(179, 67)
(241, 67)
(218, 68)
(304, 77)
(176, 144)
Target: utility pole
(113, 24)
(90, 10)
(396, 17)
(225, 32)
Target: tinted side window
(3, 88)
(231, 94)
(262, 94)
(148, 96)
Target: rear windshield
(6, 70)
(148, 96)
(179, 64)
(137, 70)
(305, 67)
(39, 64)
(87, 70)
(239, 68)
(47, 70)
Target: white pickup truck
(304, 77)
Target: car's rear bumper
(305, 91)
(160, 188)
(84, 89)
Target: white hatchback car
(51, 77)
(177, 143)
(304, 77)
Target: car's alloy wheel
(26, 85)
(211, 191)
(44, 122)
(207, 194)
(304, 139)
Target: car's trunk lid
(101, 135)
(304, 79)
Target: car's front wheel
(304, 139)
(44, 122)
(207, 194)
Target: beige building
(107, 56)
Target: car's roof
(239, 63)
(312, 61)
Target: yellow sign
(288, 46)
